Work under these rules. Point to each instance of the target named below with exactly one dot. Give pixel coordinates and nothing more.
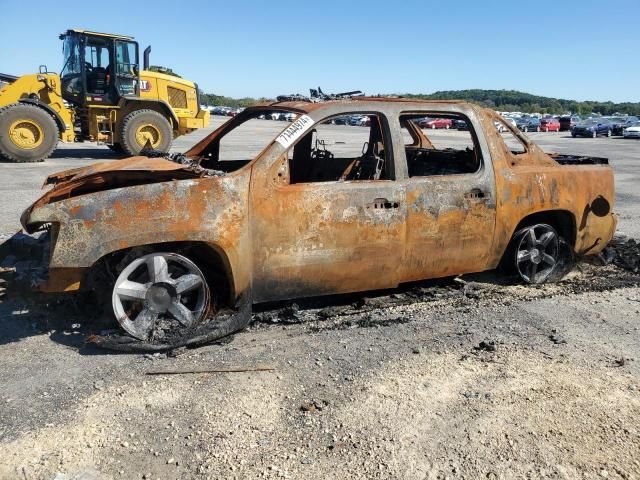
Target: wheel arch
(129, 105)
(40, 104)
(208, 256)
(563, 221)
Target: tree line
(501, 100)
(514, 101)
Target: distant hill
(501, 100)
(512, 100)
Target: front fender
(210, 210)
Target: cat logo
(145, 86)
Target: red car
(434, 123)
(550, 125)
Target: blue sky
(570, 49)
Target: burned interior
(320, 157)
(424, 158)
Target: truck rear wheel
(27, 133)
(143, 127)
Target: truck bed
(579, 160)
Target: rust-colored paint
(281, 240)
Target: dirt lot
(459, 378)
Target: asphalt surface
(458, 379)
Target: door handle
(476, 194)
(383, 203)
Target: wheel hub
(159, 297)
(148, 133)
(535, 256)
(26, 134)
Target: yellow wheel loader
(100, 95)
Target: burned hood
(132, 164)
(129, 172)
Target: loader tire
(145, 127)
(27, 133)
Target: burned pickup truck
(180, 247)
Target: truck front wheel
(27, 133)
(143, 128)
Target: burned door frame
(324, 237)
(451, 218)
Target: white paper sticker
(294, 131)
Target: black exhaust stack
(145, 56)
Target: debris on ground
(487, 346)
(211, 370)
(624, 253)
(556, 338)
(314, 405)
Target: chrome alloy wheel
(537, 253)
(159, 288)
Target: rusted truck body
(298, 220)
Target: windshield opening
(244, 137)
(71, 74)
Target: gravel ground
(459, 378)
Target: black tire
(46, 133)
(137, 119)
(557, 248)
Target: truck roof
(309, 106)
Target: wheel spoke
(524, 255)
(181, 313)
(129, 290)
(144, 323)
(548, 259)
(531, 237)
(187, 282)
(532, 272)
(158, 268)
(546, 238)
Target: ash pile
(624, 253)
(23, 262)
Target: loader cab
(99, 68)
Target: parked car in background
(220, 110)
(342, 120)
(617, 124)
(434, 123)
(592, 127)
(632, 131)
(550, 124)
(360, 121)
(620, 123)
(567, 122)
(528, 124)
(459, 125)
(290, 116)
(500, 127)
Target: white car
(632, 132)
